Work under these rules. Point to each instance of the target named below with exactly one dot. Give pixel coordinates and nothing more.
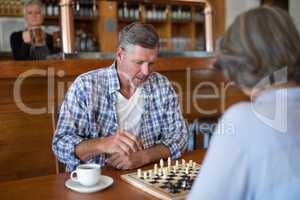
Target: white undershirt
(130, 111)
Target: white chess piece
(161, 163)
(194, 165)
(169, 162)
(176, 163)
(155, 169)
(187, 170)
(174, 169)
(139, 173)
(145, 175)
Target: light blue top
(255, 151)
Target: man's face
(135, 64)
(33, 15)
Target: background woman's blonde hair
(27, 3)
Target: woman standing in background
(32, 43)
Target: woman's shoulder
(16, 34)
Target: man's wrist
(101, 145)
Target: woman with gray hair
(254, 153)
(32, 43)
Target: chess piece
(139, 173)
(145, 175)
(194, 165)
(155, 169)
(169, 162)
(186, 170)
(174, 169)
(176, 163)
(183, 162)
(161, 163)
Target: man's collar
(113, 79)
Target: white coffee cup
(87, 174)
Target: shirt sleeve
(174, 132)
(20, 50)
(72, 126)
(224, 173)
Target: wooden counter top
(12, 69)
(52, 187)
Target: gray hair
(138, 33)
(27, 3)
(258, 43)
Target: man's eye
(139, 62)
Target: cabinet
(181, 27)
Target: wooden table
(52, 187)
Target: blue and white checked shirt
(89, 111)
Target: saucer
(104, 182)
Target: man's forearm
(89, 149)
(155, 153)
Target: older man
(125, 115)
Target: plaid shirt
(89, 112)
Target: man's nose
(145, 69)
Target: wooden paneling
(25, 138)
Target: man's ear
(120, 53)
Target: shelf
(156, 21)
(11, 15)
(127, 20)
(185, 21)
(86, 18)
(83, 18)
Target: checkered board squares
(168, 186)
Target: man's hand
(126, 162)
(122, 143)
(26, 37)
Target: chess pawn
(150, 173)
(159, 172)
(165, 173)
(161, 163)
(190, 162)
(183, 162)
(155, 169)
(174, 169)
(188, 165)
(139, 173)
(145, 175)
(176, 163)
(169, 162)
(186, 170)
(194, 165)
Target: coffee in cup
(87, 174)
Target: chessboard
(170, 182)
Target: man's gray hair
(138, 33)
(27, 3)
